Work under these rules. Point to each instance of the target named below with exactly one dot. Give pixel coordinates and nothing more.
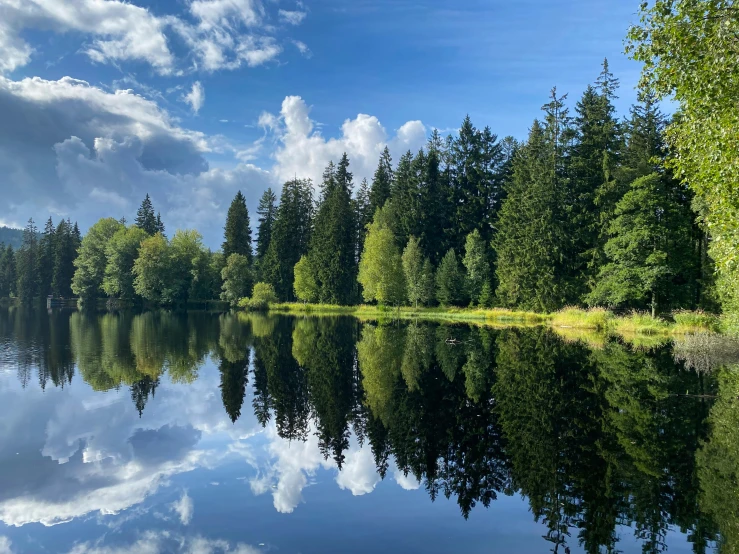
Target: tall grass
(697, 321)
(577, 318)
(640, 323)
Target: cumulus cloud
(74, 150)
(221, 34)
(184, 508)
(295, 17)
(124, 31)
(196, 97)
(305, 152)
(359, 474)
(5, 545)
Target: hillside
(8, 235)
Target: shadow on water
(595, 435)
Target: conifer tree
(27, 264)
(382, 182)
(290, 236)
(267, 211)
(7, 271)
(532, 232)
(433, 208)
(65, 252)
(47, 246)
(234, 377)
(237, 233)
(332, 246)
(477, 265)
(650, 254)
(159, 226)
(145, 218)
(404, 198)
(362, 213)
(449, 281)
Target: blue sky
(229, 94)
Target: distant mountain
(11, 236)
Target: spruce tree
(651, 258)
(27, 264)
(145, 218)
(433, 209)
(65, 252)
(449, 281)
(332, 246)
(405, 198)
(159, 225)
(47, 246)
(382, 182)
(267, 211)
(362, 213)
(7, 271)
(532, 232)
(290, 237)
(237, 232)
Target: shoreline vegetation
(574, 319)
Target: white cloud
(306, 152)
(5, 545)
(184, 507)
(196, 97)
(160, 542)
(292, 17)
(302, 48)
(359, 474)
(222, 34)
(124, 31)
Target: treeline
(582, 212)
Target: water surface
(234, 433)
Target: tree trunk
(654, 303)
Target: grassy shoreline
(573, 319)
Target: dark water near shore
(236, 433)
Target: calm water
(207, 433)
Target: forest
(593, 208)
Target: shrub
(262, 296)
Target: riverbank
(573, 319)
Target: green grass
(634, 327)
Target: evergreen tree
(47, 247)
(234, 377)
(650, 254)
(432, 208)
(362, 213)
(267, 211)
(237, 234)
(290, 236)
(449, 281)
(159, 226)
(532, 231)
(145, 218)
(476, 263)
(65, 252)
(8, 276)
(382, 183)
(27, 264)
(593, 187)
(404, 198)
(332, 246)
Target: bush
(261, 298)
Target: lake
(239, 433)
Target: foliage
(92, 261)
(262, 297)
(121, 253)
(380, 267)
(306, 288)
(146, 220)
(237, 232)
(450, 281)
(688, 48)
(476, 263)
(267, 211)
(238, 279)
(151, 269)
(413, 269)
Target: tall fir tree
(237, 232)
(267, 211)
(159, 225)
(404, 198)
(332, 250)
(8, 277)
(27, 264)
(145, 218)
(432, 208)
(382, 182)
(290, 236)
(532, 230)
(47, 248)
(362, 213)
(65, 252)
